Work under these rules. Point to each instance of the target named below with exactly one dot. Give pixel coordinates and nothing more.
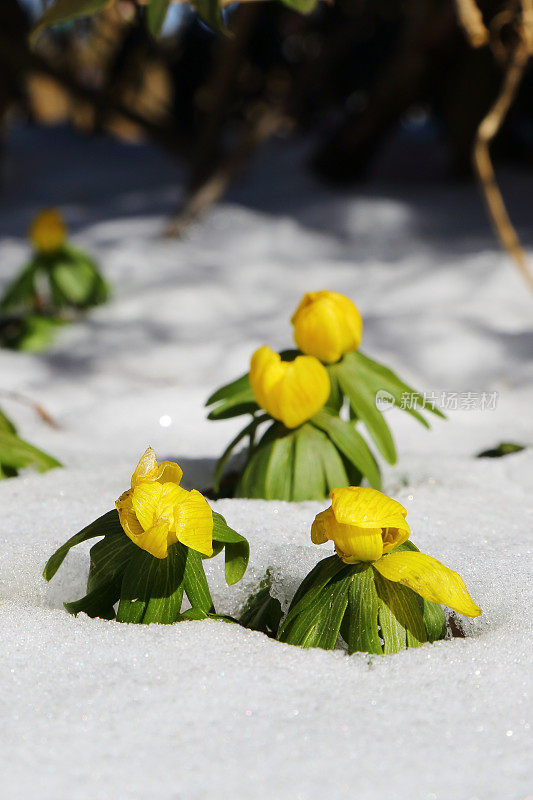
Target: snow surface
(209, 711)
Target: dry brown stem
(471, 19)
(37, 407)
(487, 130)
(472, 22)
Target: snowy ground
(208, 711)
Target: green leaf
(229, 390)
(224, 458)
(363, 401)
(234, 399)
(97, 603)
(350, 442)
(73, 283)
(262, 613)
(232, 409)
(109, 559)
(155, 15)
(308, 480)
(193, 614)
(334, 468)
(503, 449)
(209, 12)
(152, 588)
(237, 549)
(434, 620)
(312, 585)
(22, 289)
(318, 622)
(65, 10)
(6, 424)
(17, 453)
(195, 583)
(335, 400)
(360, 624)
(269, 472)
(377, 376)
(302, 6)
(107, 524)
(31, 333)
(400, 616)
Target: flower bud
(363, 523)
(48, 231)
(327, 325)
(290, 391)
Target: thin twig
(487, 130)
(471, 20)
(37, 407)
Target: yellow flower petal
(351, 543)
(126, 515)
(193, 522)
(146, 466)
(291, 392)
(266, 372)
(327, 325)
(352, 549)
(169, 472)
(429, 578)
(146, 501)
(368, 508)
(319, 528)
(304, 391)
(154, 540)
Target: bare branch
(471, 20)
(487, 130)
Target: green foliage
(156, 12)
(503, 449)
(372, 615)
(71, 279)
(210, 11)
(328, 451)
(51, 284)
(28, 332)
(148, 589)
(17, 454)
(64, 11)
(302, 6)
(262, 612)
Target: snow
(94, 710)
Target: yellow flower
(327, 325)
(290, 391)
(366, 525)
(48, 231)
(157, 512)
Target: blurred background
(214, 179)
(349, 78)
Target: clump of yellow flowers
(58, 280)
(379, 592)
(151, 549)
(310, 405)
